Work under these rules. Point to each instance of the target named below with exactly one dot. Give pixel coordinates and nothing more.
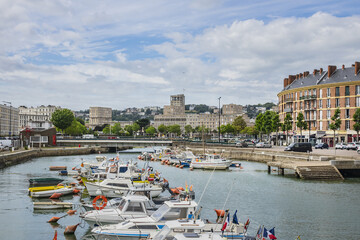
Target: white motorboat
(130, 207)
(117, 187)
(147, 226)
(47, 193)
(211, 161)
(52, 205)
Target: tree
(80, 120)
(75, 129)
(129, 129)
(239, 124)
(106, 129)
(148, 111)
(175, 129)
(250, 131)
(259, 124)
(336, 122)
(62, 118)
(275, 122)
(267, 122)
(301, 124)
(356, 126)
(287, 126)
(188, 129)
(143, 123)
(135, 127)
(162, 129)
(151, 131)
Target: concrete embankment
(20, 156)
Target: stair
(319, 173)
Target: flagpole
(223, 222)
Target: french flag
(226, 223)
(269, 234)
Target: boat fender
(71, 212)
(76, 191)
(71, 229)
(180, 188)
(53, 219)
(175, 191)
(102, 204)
(56, 195)
(182, 166)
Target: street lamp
(10, 116)
(219, 117)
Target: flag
(246, 225)
(258, 233)
(235, 219)
(55, 235)
(269, 234)
(265, 234)
(226, 223)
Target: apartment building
(9, 120)
(36, 117)
(317, 96)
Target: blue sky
(119, 54)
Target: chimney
(343, 67)
(321, 71)
(357, 67)
(291, 78)
(315, 72)
(306, 74)
(285, 82)
(331, 70)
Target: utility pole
(219, 117)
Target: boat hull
(48, 193)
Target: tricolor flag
(258, 233)
(226, 223)
(235, 219)
(246, 225)
(269, 234)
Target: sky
(119, 54)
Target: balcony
(288, 110)
(310, 97)
(310, 108)
(289, 100)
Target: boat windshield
(159, 214)
(162, 234)
(122, 204)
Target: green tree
(148, 111)
(259, 124)
(175, 129)
(75, 129)
(143, 123)
(135, 127)
(287, 126)
(129, 129)
(267, 123)
(151, 131)
(116, 129)
(62, 118)
(275, 122)
(356, 126)
(106, 129)
(162, 129)
(336, 122)
(301, 124)
(239, 124)
(188, 129)
(80, 120)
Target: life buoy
(102, 204)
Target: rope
(227, 198)
(202, 194)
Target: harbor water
(311, 209)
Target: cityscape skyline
(124, 54)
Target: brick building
(317, 96)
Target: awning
(320, 134)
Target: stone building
(100, 116)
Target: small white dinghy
(52, 205)
(49, 193)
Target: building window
(309, 92)
(305, 93)
(321, 125)
(347, 113)
(321, 113)
(300, 93)
(357, 90)
(347, 102)
(314, 92)
(314, 103)
(296, 95)
(328, 105)
(347, 124)
(347, 91)
(320, 93)
(328, 93)
(337, 102)
(328, 125)
(337, 91)
(328, 114)
(358, 101)
(320, 103)
(300, 105)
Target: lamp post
(10, 117)
(219, 117)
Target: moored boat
(52, 205)
(48, 193)
(44, 181)
(211, 161)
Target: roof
(339, 76)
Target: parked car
(299, 147)
(340, 146)
(241, 144)
(263, 145)
(322, 146)
(351, 146)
